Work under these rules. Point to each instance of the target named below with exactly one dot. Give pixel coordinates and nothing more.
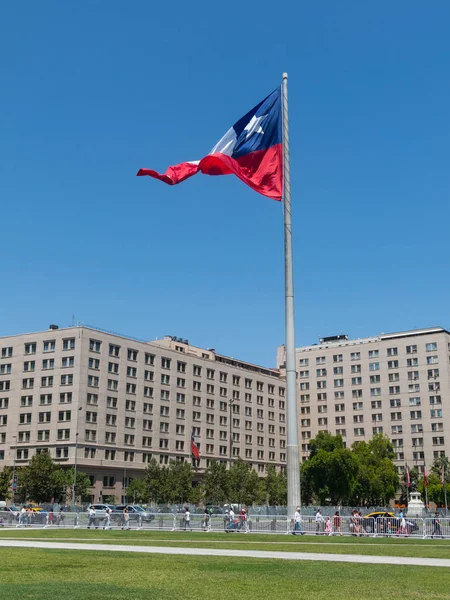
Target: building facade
(396, 384)
(120, 402)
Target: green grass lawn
(32, 574)
(282, 543)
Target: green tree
(331, 469)
(325, 441)
(5, 483)
(137, 491)
(64, 478)
(40, 481)
(178, 482)
(238, 481)
(154, 481)
(216, 483)
(377, 479)
(435, 489)
(275, 487)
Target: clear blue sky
(92, 91)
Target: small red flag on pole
(408, 479)
(425, 477)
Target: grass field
(283, 543)
(77, 575)
(35, 574)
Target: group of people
(323, 525)
(95, 520)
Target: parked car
(8, 514)
(381, 519)
(136, 512)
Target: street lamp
(75, 461)
(14, 483)
(230, 404)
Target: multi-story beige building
(396, 384)
(121, 401)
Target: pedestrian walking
(125, 518)
(206, 520)
(92, 513)
(319, 521)
(107, 522)
(436, 522)
(337, 523)
(243, 525)
(328, 530)
(402, 528)
(23, 516)
(297, 522)
(187, 519)
(231, 515)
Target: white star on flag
(254, 126)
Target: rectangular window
(65, 415)
(411, 349)
(149, 359)
(28, 366)
(132, 355)
(66, 379)
(415, 414)
(45, 399)
(94, 363)
(114, 350)
(165, 363)
(113, 384)
(94, 345)
(45, 417)
(29, 349)
(111, 402)
(374, 353)
(93, 381)
(49, 346)
(47, 381)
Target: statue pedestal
(416, 507)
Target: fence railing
(342, 525)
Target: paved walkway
(352, 558)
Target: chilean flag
(194, 449)
(252, 150)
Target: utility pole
(75, 461)
(14, 482)
(230, 404)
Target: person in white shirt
(187, 519)
(319, 521)
(231, 514)
(92, 514)
(297, 522)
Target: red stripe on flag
(261, 170)
(194, 450)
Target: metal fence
(342, 525)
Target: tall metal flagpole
(293, 454)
